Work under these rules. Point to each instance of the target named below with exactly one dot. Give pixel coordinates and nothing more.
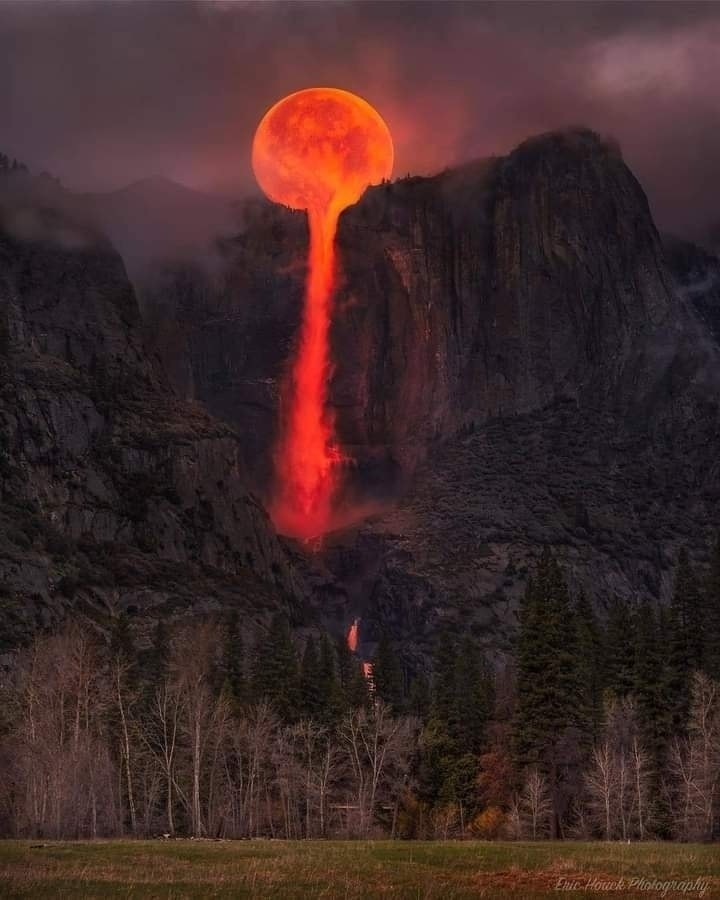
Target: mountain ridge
(522, 364)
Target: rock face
(115, 494)
(697, 278)
(521, 361)
(495, 290)
(517, 350)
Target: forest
(596, 725)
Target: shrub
(488, 824)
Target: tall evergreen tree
(233, 662)
(332, 700)
(123, 651)
(473, 696)
(619, 648)
(677, 672)
(275, 670)
(688, 607)
(653, 713)
(548, 708)
(353, 685)
(650, 684)
(419, 697)
(311, 695)
(155, 663)
(590, 667)
(711, 644)
(547, 661)
(387, 675)
(443, 677)
(528, 727)
(121, 641)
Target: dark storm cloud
(104, 93)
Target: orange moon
(319, 149)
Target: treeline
(617, 723)
(197, 737)
(595, 727)
(10, 165)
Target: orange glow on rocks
(316, 150)
(352, 636)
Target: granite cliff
(116, 495)
(521, 360)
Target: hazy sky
(102, 93)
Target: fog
(104, 94)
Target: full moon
(318, 149)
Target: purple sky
(102, 94)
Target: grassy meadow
(362, 869)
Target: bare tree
(249, 768)
(192, 656)
(617, 782)
(694, 768)
(125, 698)
(600, 785)
(535, 805)
(58, 780)
(374, 743)
(161, 736)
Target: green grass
(337, 869)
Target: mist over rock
(697, 278)
(159, 219)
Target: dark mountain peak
(159, 188)
(578, 142)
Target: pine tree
(547, 662)
(549, 707)
(619, 649)
(528, 728)
(155, 663)
(653, 715)
(122, 649)
(419, 697)
(563, 662)
(275, 670)
(711, 643)
(121, 641)
(311, 696)
(387, 675)
(677, 672)
(439, 749)
(650, 683)
(357, 693)
(455, 729)
(473, 697)
(352, 682)
(590, 667)
(345, 661)
(687, 604)
(443, 678)
(332, 700)
(233, 662)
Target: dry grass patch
(342, 870)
